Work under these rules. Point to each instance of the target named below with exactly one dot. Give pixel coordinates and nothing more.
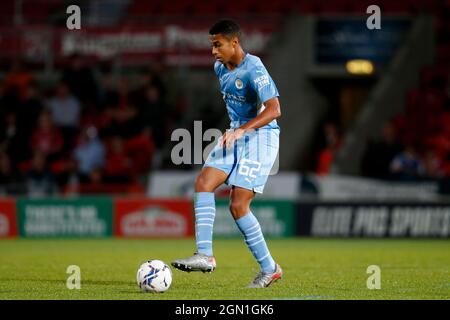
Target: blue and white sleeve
(262, 83)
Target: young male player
(243, 156)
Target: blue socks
(254, 239)
(205, 211)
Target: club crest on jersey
(238, 83)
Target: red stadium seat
(7, 7)
(38, 11)
(239, 7)
(141, 7)
(386, 6)
(412, 101)
(175, 7)
(269, 7)
(335, 7)
(444, 125)
(360, 7)
(306, 7)
(439, 143)
(443, 56)
(205, 8)
(396, 7)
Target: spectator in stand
(66, 111)
(18, 79)
(9, 176)
(47, 138)
(5, 169)
(378, 155)
(126, 122)
(120, 94)
(12, 139)
(4, 103)
(108, 95)
(159, 77)
(29, 108)
(89, 154)
(153, 113)
(432, 165)
(407, 165)
(118, 167)
(39, 180)
(149, 77)
(96, 178)
(18, 114)
(80, 78)
(326, 155)
(121, 115)
(141, 150)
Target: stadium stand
(133, 119)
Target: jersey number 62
(248, 167)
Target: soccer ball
(154, 276)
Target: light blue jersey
(245, 88)
(250, 161)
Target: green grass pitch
(313, 269)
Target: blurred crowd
(94, 130)
(91, 131)
(415, 144)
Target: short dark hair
(227, 28)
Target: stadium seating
(425, 123)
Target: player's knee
(239, 208)
(201, 184)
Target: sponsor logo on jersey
(262, 81)
(229, 96)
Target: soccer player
(243, 156)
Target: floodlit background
(87, 115)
